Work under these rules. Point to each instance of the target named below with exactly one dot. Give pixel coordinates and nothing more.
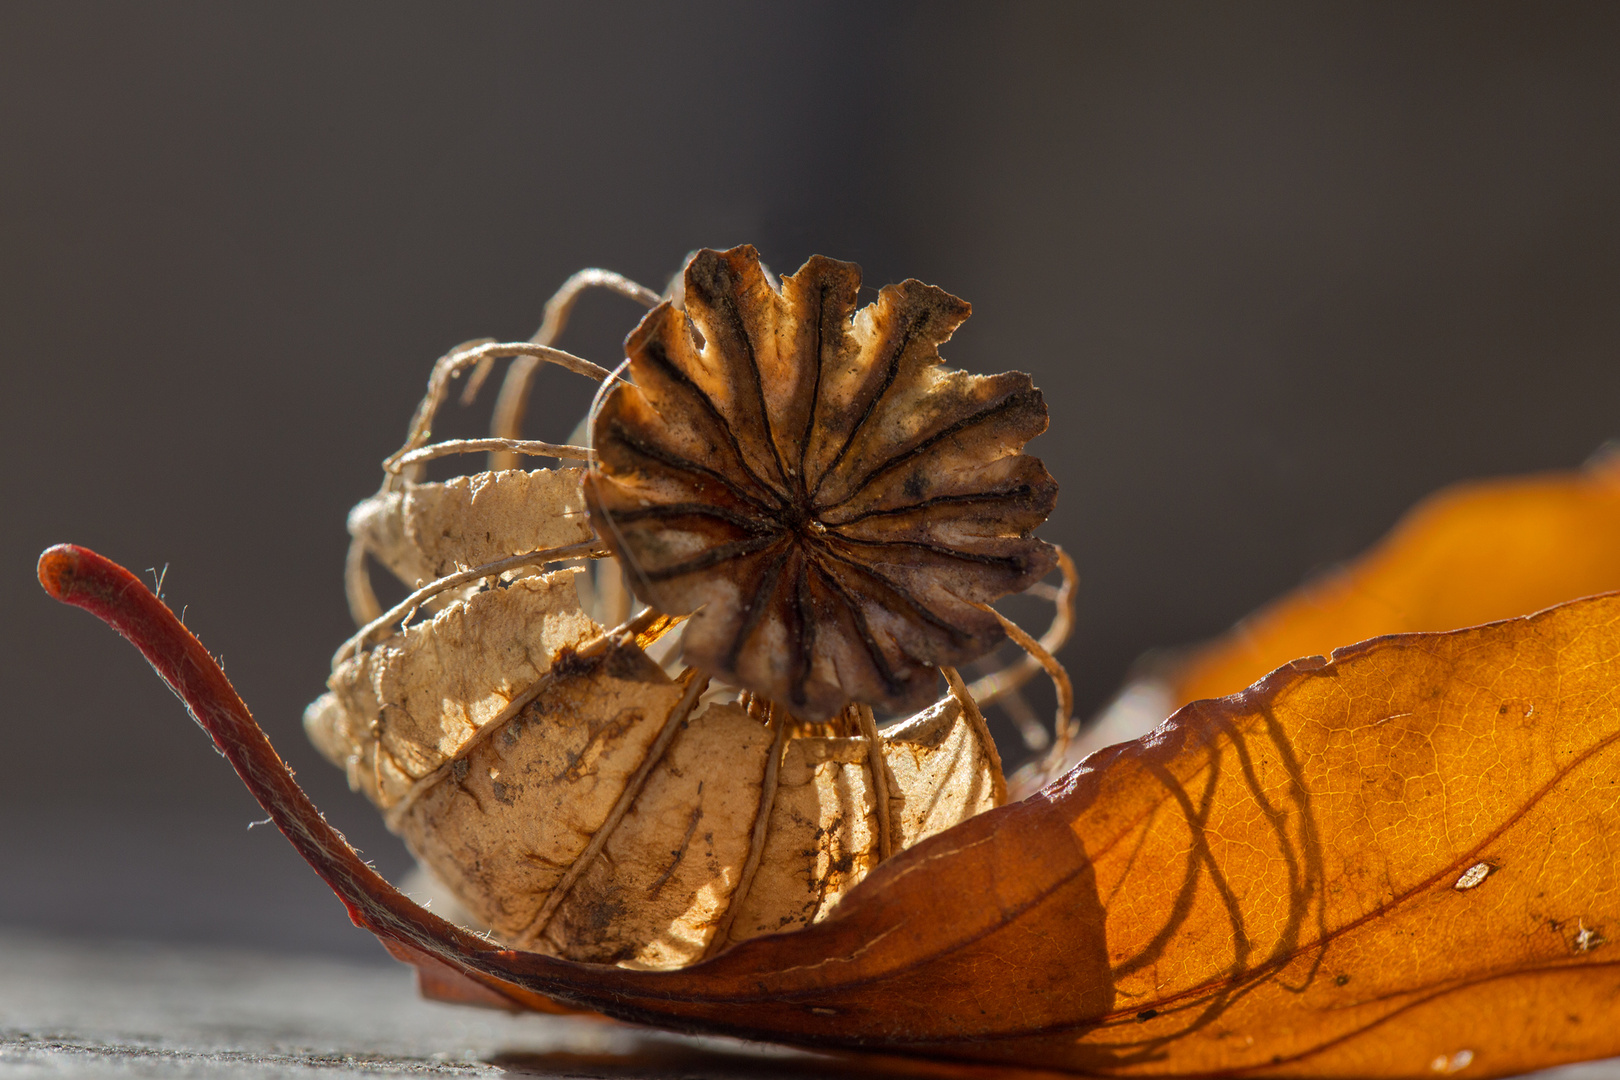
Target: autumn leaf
(1391, 863)
(1468, 555)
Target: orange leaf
(1397, 862)
(1468, 555)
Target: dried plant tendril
(793, 497)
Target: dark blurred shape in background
(1280, 269)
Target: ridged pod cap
(812, 482)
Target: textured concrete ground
(79, 1009)
(76, 1009)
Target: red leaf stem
(79, 576)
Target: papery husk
(577, 799)
(426, 530)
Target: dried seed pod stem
(696, 683)
(1064, 725)
(762, 823)
(453, 363)
(529, 447)
(513, 401)
(970, 710)
(989, 689)
(357, 588)
(867, 724)
(584, 549)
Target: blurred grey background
(1281, 269)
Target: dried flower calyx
(575, 788)
(833, 504)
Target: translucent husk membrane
(576, 789)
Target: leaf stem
(79, 576)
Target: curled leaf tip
(78, 576)
(58, 566)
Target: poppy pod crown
(832, 505)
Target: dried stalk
(452, 364)
(584, 549)
(513, 401)
(650, 626)
(405, 463)
(696, 683)
(880, 777)
(971, 711)
(762, 826)
(363, 603)
(530, 447)
(1064, 726)
(990, 688)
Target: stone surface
(71, 1008)
(85, 1009)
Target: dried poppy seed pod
(830, 503)
(578, 792)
